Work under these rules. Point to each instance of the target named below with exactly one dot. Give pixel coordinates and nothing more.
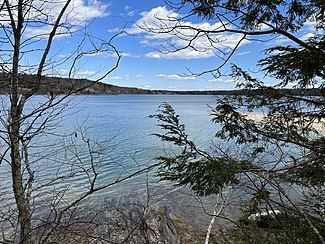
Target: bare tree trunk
(14, 133)
(21, 200)
(19, 126)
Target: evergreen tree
(281, 132)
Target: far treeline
(58, 85)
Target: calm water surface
(121, 124)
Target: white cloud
(243, 53)
(310, 29)
(63, 71)
(114, 30)
(86, 72)
(311, 23)
(162, 26)
(96, 54)
(307, 31)
(216, 80)
(264, 26)
(175, 77)
(76, 16)
(156, 18)
(130, 55)
(60, 72)
(129, 11)
(116, 78)
(306, 36)
(229, 81)
(127, 77)
(182, 54)
(111, 54)
(279, 40)
(220, 80)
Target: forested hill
(57, 85)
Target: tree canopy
(279, 136)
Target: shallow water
(123, 130)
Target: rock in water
(158, 227)
(137, 225)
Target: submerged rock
(136, 224)
(156, 226)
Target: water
(112, 136)
(121, 126)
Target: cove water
(118, 131)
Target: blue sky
(142, 65)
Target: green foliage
(301, 63)
(282, 132)
(310, 174)
(194, 167)
(285, 15)
(205, 177)
(175, 132)
(291, 65)
(291, 229)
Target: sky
(144, 62)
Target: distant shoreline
(62, 86)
